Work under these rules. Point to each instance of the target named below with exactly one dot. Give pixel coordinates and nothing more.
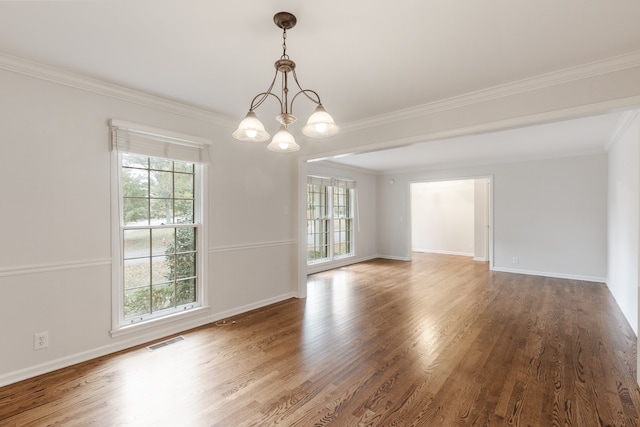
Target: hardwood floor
(438, 341)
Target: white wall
(55, 259)
(550, 214)
(624, 221)
(365, 238)
(442, 217)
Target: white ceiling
(364, 57)
(588, 135)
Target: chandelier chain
(284, 44)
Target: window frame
(330, 185)
(348, 221)
(120, 324)
(323, 222)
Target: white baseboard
(480, 259)
(554, 275)
(435, 251)
(243, 309)
(135, 339)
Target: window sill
(161, 321)
(327, 260)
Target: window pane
(163, 241)
(317, 201)
(339, 202)
(135, 160)
(161, 269)
(137, 273)
(184, 167)
(160, 164)
(338, 237)
(186, 239)
(136, 243)
(185, 265)
(310, 205)
(135, 211)
(162, 296)
(183, 186)
(185, 291)
(137, 302)
(135, 182)
(183, 212)
(317, 243)
(161, 184)
(161, 211)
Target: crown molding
(592, 69)
(623, 124)
(347, 168)
(88, 84)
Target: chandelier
(319, 125)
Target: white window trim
(165, 138)
(335, 183)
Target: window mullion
(149, 190)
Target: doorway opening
(453, 217)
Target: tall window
(158, 235)
(329, 219)
(317, 222)
(342, 221)
(159, 241)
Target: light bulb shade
(283, 141)
(251, 129)
(320, 124)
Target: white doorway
(452, 217)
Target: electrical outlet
(41, 340)
(515, 260)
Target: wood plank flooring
(435, 342)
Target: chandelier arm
(304, 91)
(264, 95)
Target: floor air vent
(161, 344)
